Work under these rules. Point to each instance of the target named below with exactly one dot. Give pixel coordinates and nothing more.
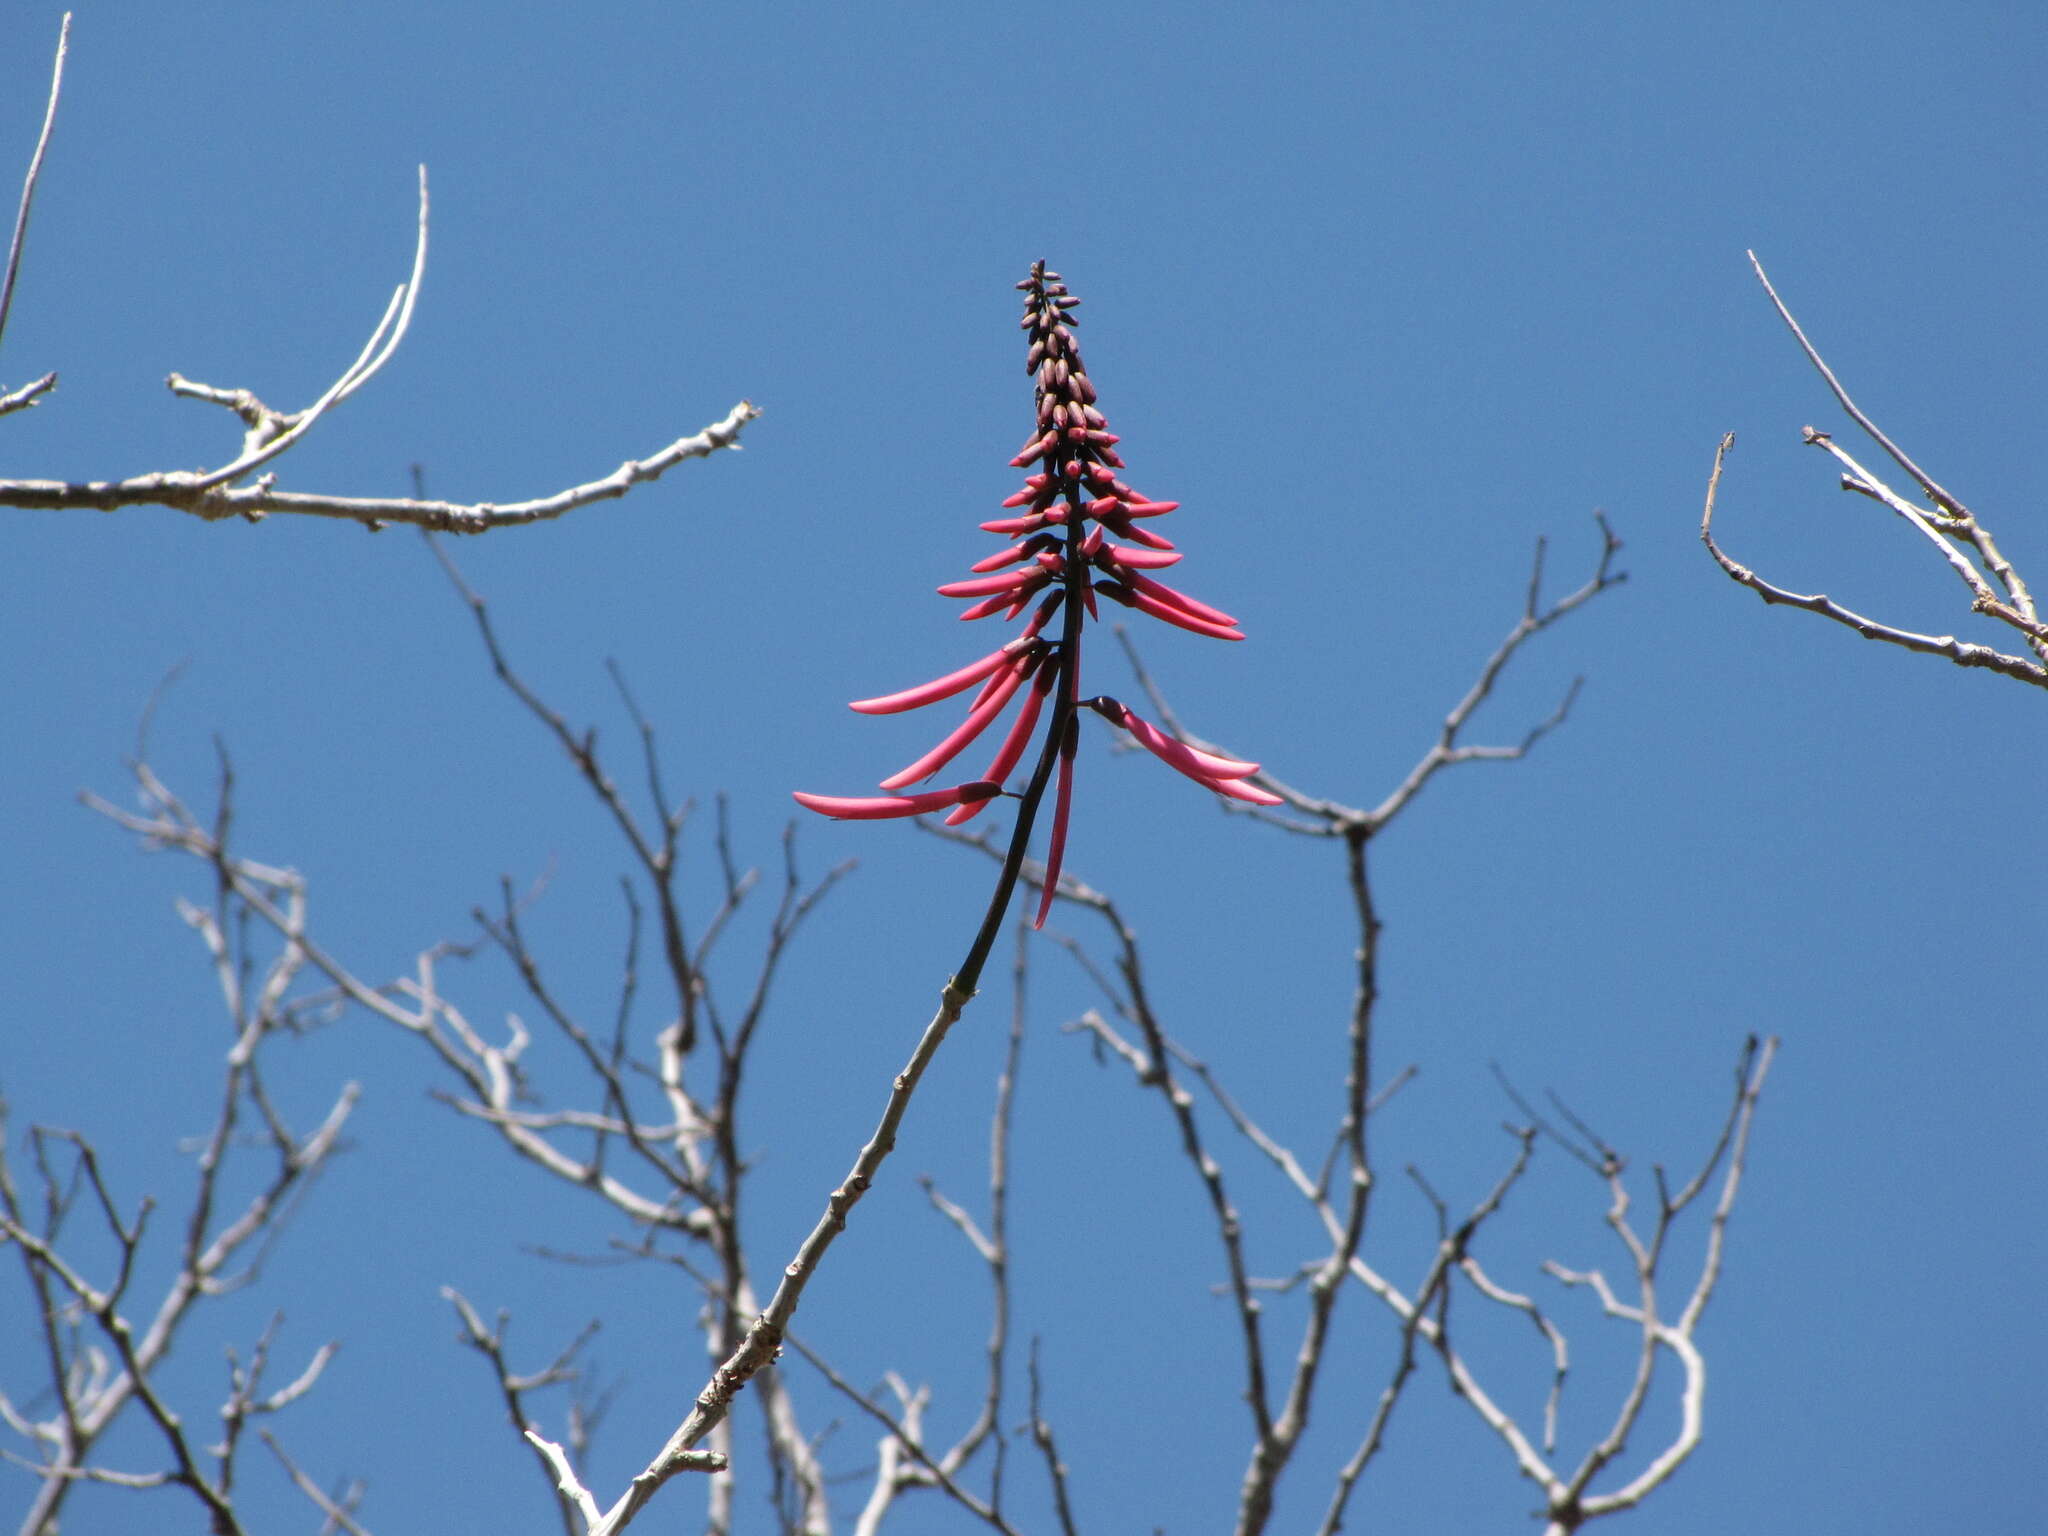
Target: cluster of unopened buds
(1077, 533)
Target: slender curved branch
(1959, 537)
(19, 239)
(212, 495)
(1964, 653)
(1333, 818)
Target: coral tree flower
(1077, 532)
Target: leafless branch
(1958, 536)
(763, 1339)
(1332, 818)
(93, 1384)
(694, 1156)
(1560, 1349)
(1338, 1192)
(268, 433)
(569, 1488)
(572, 1498)
(1964, 653)
(994, 1245)
(1935, 493)
(1048, 1448)
(1570, 1503)
(339, 1512)
(1420, 1322)
(903, 1438)
(905, 1460)
(27, 395)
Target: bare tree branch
(573, 1499)
(1959, 538)
(27, 395)
(1156, 1059)
(1570, 1504)
(904, 1438)
(268, 433)
(92, 1386)
(1042, 1437)
(339, 1512)
(1964, 653)
(1332, 818)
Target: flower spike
(1057, 558)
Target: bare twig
(1956, 533)
(218, 1249)
(28, 196)
(994, 1245)
(1935, 493)
(763, 1340)
(339, 1513)
(694, 1155)
(905, 1437)
(267, 433)
(489, 1341)
(1332, 818)
(1418, 1323)
(1963, 653)
(259, 500)
(1153, 1057)
(1560, 1349)
(1570, 1504)
(270, 433)
(1048, 1448)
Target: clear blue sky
(1381, 294)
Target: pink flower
(1059, 555)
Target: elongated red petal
(1034, 448)
(1159, 610)
(1116, 522)
(1142, 559)
(1007, 600)
(1022, 596)
(938, 688)
(1046, 610)
(1015, 525)
(982, 586)
(960, 736)
(1251, 793)
(1027, 663)
(1012, 747)
(1056, 849)
(1181, 600)
(1193, 762)
(1033, 484)
(1001, 558)
(849, 808)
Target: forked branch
(267, 433)
(1958, 536)
(102, 1344)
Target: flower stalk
(1058, 563)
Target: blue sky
(1381, 295)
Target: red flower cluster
(1060, 546)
